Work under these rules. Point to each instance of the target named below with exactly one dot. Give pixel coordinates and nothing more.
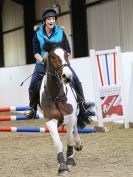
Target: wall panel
(103, 25)
(110, 23)
(12, 15)
(126, 14)
(14, 49)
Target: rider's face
(50, 22)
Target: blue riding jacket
(39, 40)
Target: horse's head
(59, 64)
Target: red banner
(111, 105)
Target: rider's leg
(33, 100)
(80, 94)
(34, 90)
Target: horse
(59, 104)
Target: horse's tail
(84, 118)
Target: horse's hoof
(63, 169)
(78, 148)
(63, 173)
(70, 162)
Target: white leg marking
(52, 126)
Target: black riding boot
(33, 104)
(85, 108)
(81, 99)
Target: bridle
(58, 77)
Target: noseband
(60, 67)
(55, 74)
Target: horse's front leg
(52, 126)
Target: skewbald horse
(59, 104)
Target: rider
(48, 31)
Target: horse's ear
(48, 46)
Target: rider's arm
(66, 44)
(39, 58)
(37, 50)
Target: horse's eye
(53, 57)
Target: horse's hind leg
(52, 126)
(77, 141)
(70, 159)
(70, 142)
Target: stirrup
(87, 105)
(30, 114)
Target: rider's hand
(43, 61)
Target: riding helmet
(48, 12)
